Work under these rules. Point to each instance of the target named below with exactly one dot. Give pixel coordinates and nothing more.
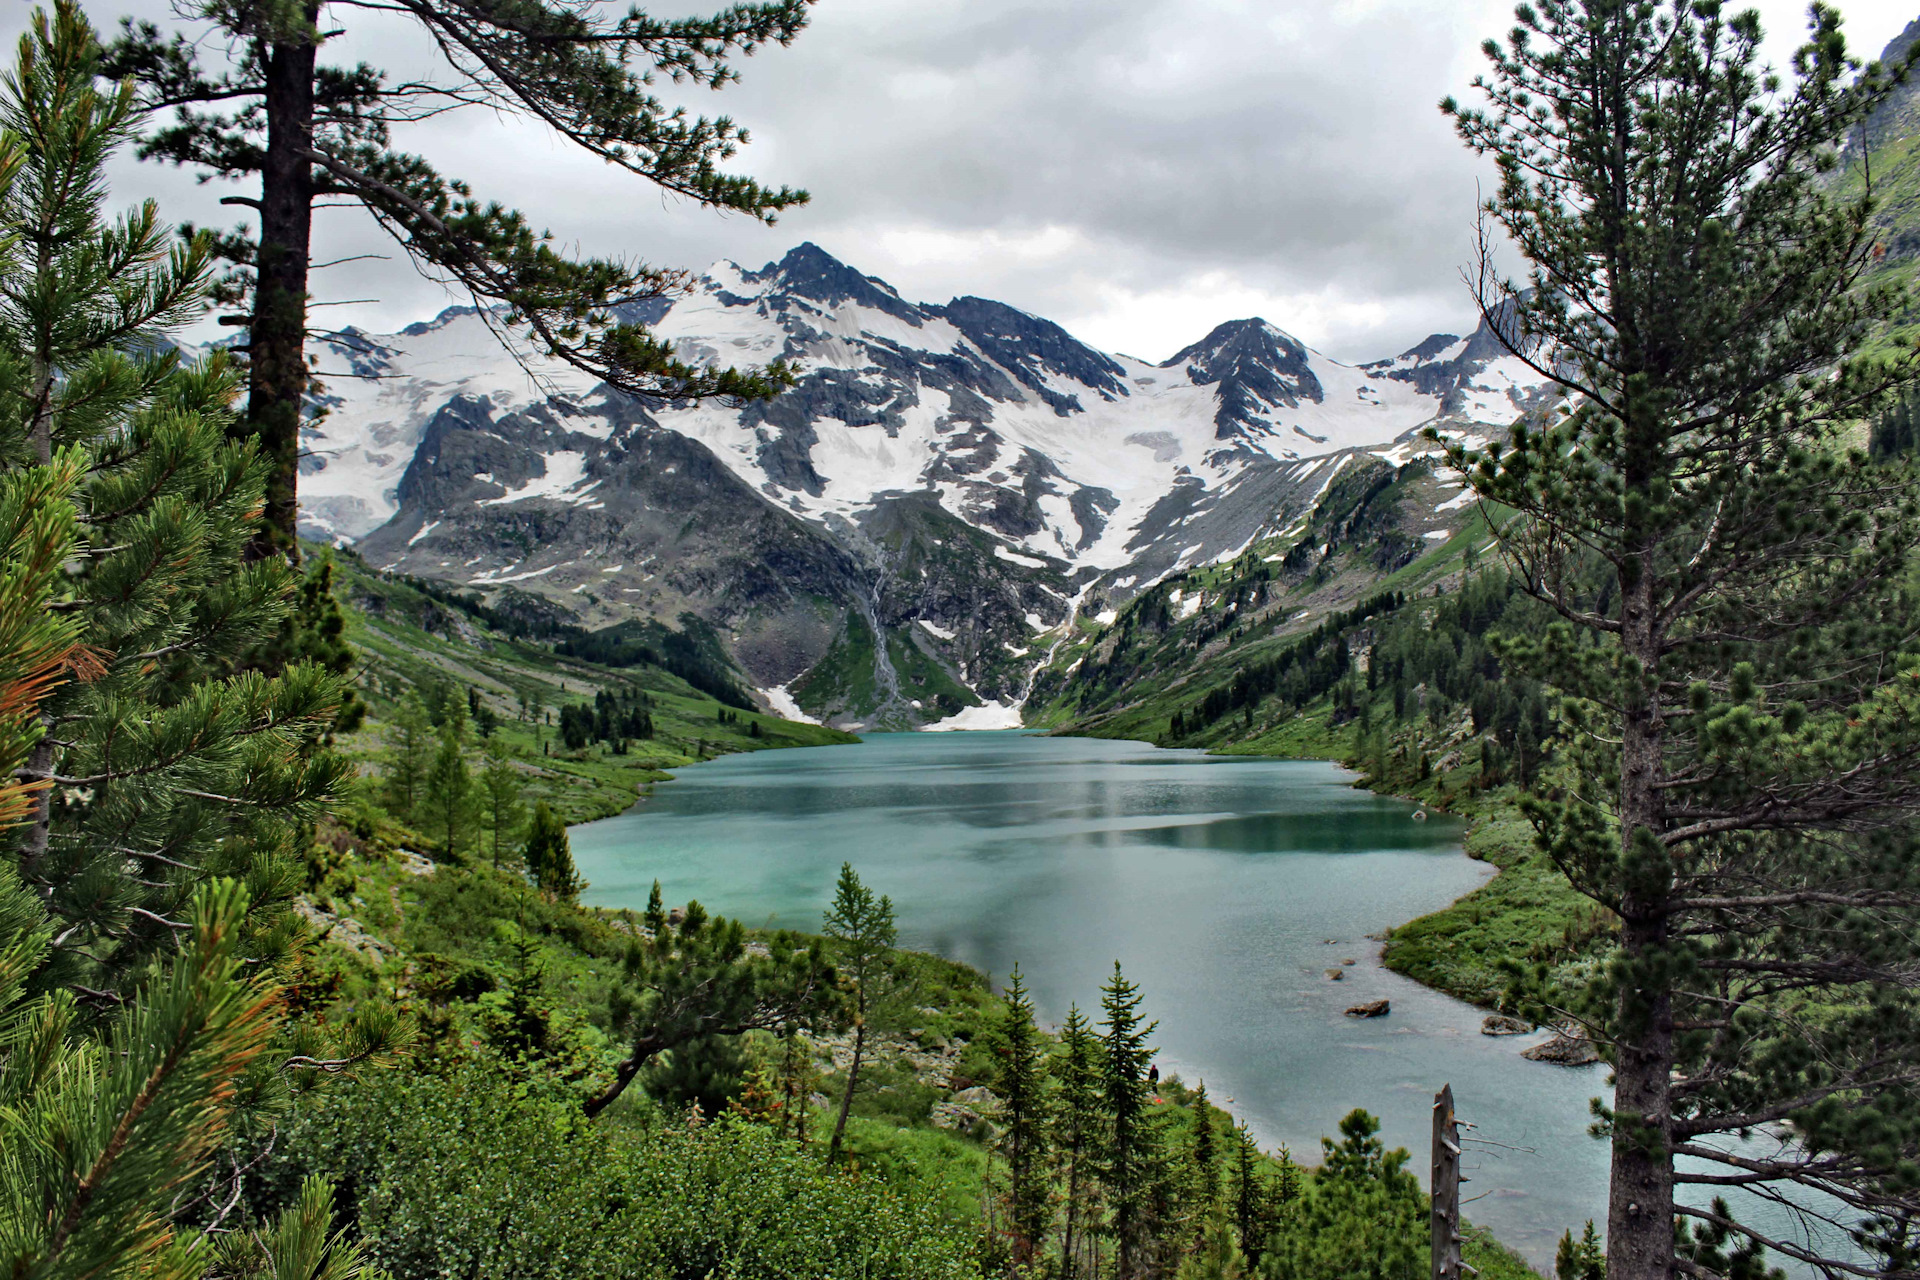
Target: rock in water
(1334, 975)
(1371, 1009)
(1499, 1024)
(1564, 1051)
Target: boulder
(978, 1099)
(1371, 1009)
(1564, 1051)
(1499, 1024)
(1335, 975)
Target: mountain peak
(1255, 367)
(810, 272)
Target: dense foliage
(1735, 641)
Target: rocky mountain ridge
(903, 536)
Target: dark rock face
(1027, 345)
(810, 272)
(1255, 367)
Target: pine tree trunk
(1640, 1214)
(277, 337)
(1073, 1213)
(853, 1078)
(39, 832)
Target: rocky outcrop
(1499, 1024)
(1565, 1051)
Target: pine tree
(408, 759)
(501, 810)
(163, 764)
(697, 979)
(1366, 1217)
(861, 929)
(549, 854)
(1735, 644)
(314, 132)
(1581, 1259)
(1024, 1127)
(449, 806)
(1080, 1125)
(1133, 1149)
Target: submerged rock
(1371, 1009)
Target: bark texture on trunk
(846, 1099)
(1640, 1212)
(277, 336)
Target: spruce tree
(408, 758)
(697, 979)
(1024, 1128)
(1735, 642)
(1204, 1154)
(310, 132)
(861, 929)
(450, 809)
(549, 854)
(1133, 1150)
(1080, 1127)
(501, 811)
(1247, 1193)
(163, 762)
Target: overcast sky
(1137, 170)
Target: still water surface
(1225, 887)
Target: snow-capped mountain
(892, 539)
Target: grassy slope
(409, 641)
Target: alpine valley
(948, 496)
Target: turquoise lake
(1226, 887)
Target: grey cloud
(1140, 169)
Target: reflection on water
(1226, 887)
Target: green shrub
(466, 1176)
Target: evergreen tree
(549, 854)
(1024, 1129)
(409, 757)
(1896, 429)
(163, 764)
(697, 979)
(1247, 1194)
(1581, 1259)
(1366, 1217)
(449, 806)
(1204, 1154)
(1735, 643)
(797, 1079)
(862, 931)
(312, 132)
(316, 632)
(1080, 1126)
(1133, 1148)
(501, 809)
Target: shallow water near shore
(1226, 887)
